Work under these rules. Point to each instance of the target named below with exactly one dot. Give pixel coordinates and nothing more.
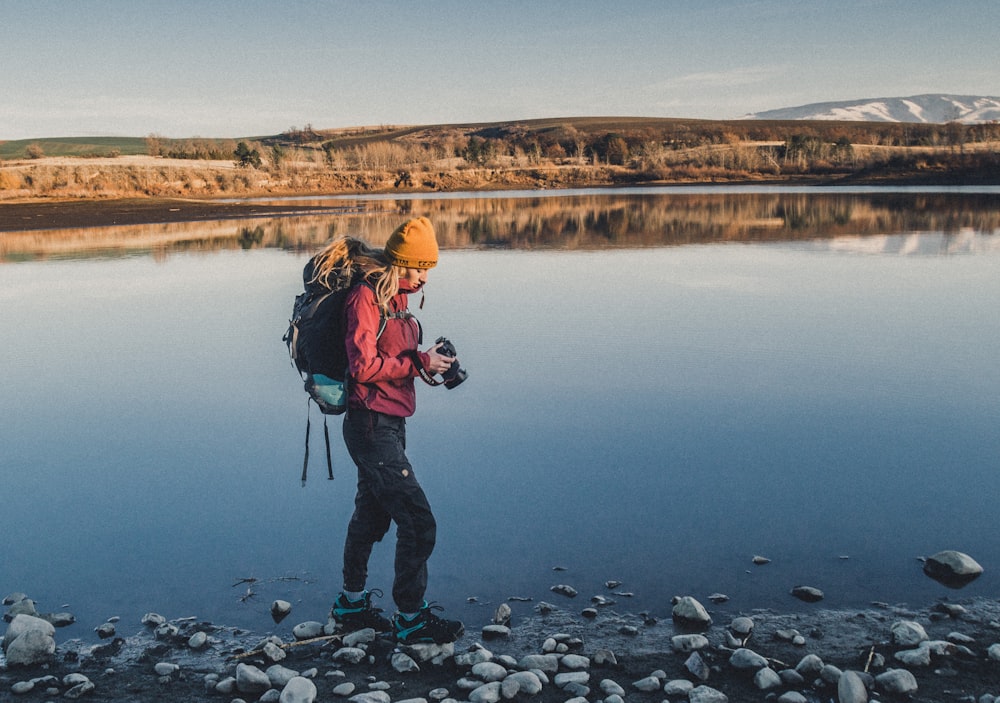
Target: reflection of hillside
(579, 221)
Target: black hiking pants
(387, 492)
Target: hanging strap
(329, 461)
(305, 460)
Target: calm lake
(662, 384)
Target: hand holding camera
(454, 374)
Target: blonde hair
(346, 260)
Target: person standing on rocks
(383, 361)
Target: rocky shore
(568, 651)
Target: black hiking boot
(351, 615)
(426, 627)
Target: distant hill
(935, 108)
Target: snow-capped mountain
(936, 108)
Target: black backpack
(317, 347)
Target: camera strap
(425, 376)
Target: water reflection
(570, 220)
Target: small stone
(564, 590)
(307, 630)
(165, 668)
(274, 653)
(688, 643)
(851, 688)
(198, 640)
(907, 633)
(809, 665)
(688, 612)
(298, 690)
(153, 620)
(438, 694)
(403, 663)
(364, 636)
(921, 656)
(350, 655)
(250, 679)
(747, 659)
(767, 679)
(792, 697)
(574, 662)
(760, 561)
(706, 694)
(280, 610)
(677, 687)
(807, 594)
(344, 689)
(528, 682)
(487, 693)
(697, 667)
(489, 671)
(604, 657)
(718, 598)
(647, 685)
(548, 663)
(279, 676)
(898, 682)
(501, 616)
(496, 632)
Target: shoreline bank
(947, 650)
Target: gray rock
(993, 652)
(344, 689)
(60, 619)
(404, 663)
(356, 639)
(487, 693)
(688, 612)
(279, 676)
(741, 627)
(280, 610)
(766, 679)
(604, 657)
(678, 687)
(350, 655)
(809, 665)
(549, 663)
(647, 685)
(198, 640)
(22, 687)
(33, 645)
(153, 620)
(226, 686)
(80, 690)
(579, 677)
(898, 682)
(528, 682)
(747, 659)
(476, 655)
(307, 630)
(165, 668)
(705, 694)
(952, 569)
(574, 662)
(697, 667)
(907, 633)
(274, 653)
(851, 688)
(298, 690)
(564, 590)
(921, 656)
(489, 671)
(250, 679)
(808, 594)
(611, 688)
(830, 674)
(371, 697)
(792, 697)
(22, 623)
(688, 643)
(105, 631)
(496, 632)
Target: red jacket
(381, 369)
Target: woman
(383, 360)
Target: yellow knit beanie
(413, 245)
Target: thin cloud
(744, 75)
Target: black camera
(455, 373)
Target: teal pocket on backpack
(329, 393)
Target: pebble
(807, 594)
(688, 612)
(564, 590)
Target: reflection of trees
(577, 221)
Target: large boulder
(29, 641)
(952, 569)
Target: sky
(225, 68)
